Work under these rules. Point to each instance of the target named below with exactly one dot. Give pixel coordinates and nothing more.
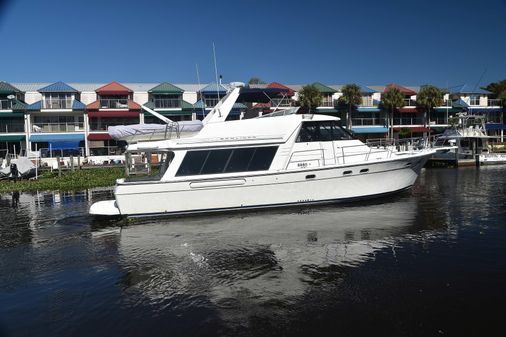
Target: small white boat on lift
(282, 159)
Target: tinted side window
(226, 161)
(192, 163)
(216, 161)
(240, 160)
(321, 132)
(262, 158)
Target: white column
(28, 130)
(86, 121)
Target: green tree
(391, 100)
(255, 80)
(351, 97)
(309, 97)
(498, 90)
(428, 98)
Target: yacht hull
(274, 189)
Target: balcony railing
(107, 151)
(120, 103)
(57, 127)
(281, 102)
(50, 153)
(327, 103)
(211, 102)
(368, 121)
(409, 102)
(494, 102)
(57, 103)
(5, 104)
(12, 127)
(167, 103)
(408, 121)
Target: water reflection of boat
(236, 261)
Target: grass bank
(69, 181)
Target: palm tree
(309, 97)
(351, 97)
(428, 98)
(255, 80)
(392, 99)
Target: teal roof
(166, 88)
(186, 106)
(323, 88)
(7, 88)
(58, 87)
(35, 106)
(370, 129)
(212, 88)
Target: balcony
(117, 103)
(367, 102)
(409, 102)
(409, 121)
(211, 102)
(5, 104)
(58, 103)
(494, 102)
(57, 127)
(167, 103)
(8, 127)
(368, 121)
(281, 102)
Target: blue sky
(443, 42)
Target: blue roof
(35, 106)
(78, 105)
(366, 90)
(199, 104)
(50, 137)
(467, 89)
(58, 87)
(211, 87)
(371, 129)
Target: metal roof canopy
(257, 95)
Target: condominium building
(62, 119)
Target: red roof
(113, 88)
(409, 110)
(404, 90)
(99, 136)
(281, 86)
(96, 105)
(414, 129)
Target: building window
(227, 161)
(57, 101)
(474, 100)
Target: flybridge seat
(149, 132)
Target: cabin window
(147, 165)
(321, 132)
(227, 161)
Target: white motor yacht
(281, 159)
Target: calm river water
(428, 262)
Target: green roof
(323, 88)
(7, 89)
(166, 88)
(186, 106)
(175, 113)
(12, 138)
